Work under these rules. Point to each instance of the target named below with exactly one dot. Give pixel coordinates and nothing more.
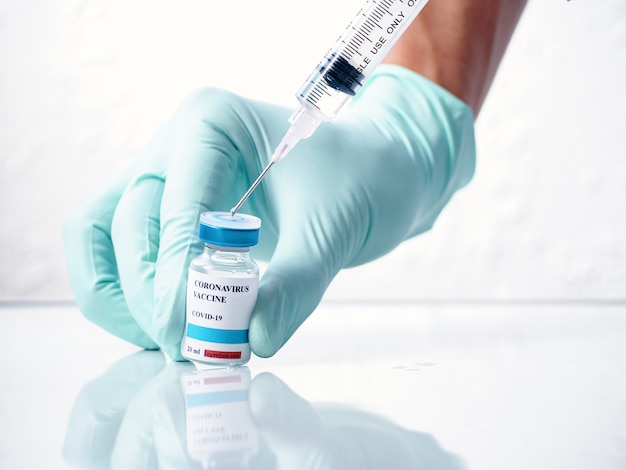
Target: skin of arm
(459, 44)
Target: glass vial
(222, 290)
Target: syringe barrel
(358, 51)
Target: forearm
(459, 44)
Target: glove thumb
(289, 291)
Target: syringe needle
(254, 185)
(302, 125)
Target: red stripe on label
(222, 354)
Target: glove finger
(288, 294)
(135, 233)
(135, 229)
(93, 269)
(303, 265)
(203, 178)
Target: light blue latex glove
(348, 195)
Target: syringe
(343, 71)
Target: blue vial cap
(223, 229)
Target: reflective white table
(360, 386)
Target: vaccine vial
(222, 290)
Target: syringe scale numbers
(362, 46)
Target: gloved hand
(349, 194)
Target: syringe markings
(362, 36)
(351, 48)
(314, 96)
(377, 14)
(359, 38)
(371, 25)
(346, 54)
(354, 45)
(318, 91)
(388, 6)
(381, 8)
(386, 10)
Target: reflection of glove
(334, 437)
(147, 421)
(349, 194)
(100, 407)
(133, 416)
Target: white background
(83, 85)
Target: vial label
(218, 314)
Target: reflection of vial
(220, 430)
(222, 290)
